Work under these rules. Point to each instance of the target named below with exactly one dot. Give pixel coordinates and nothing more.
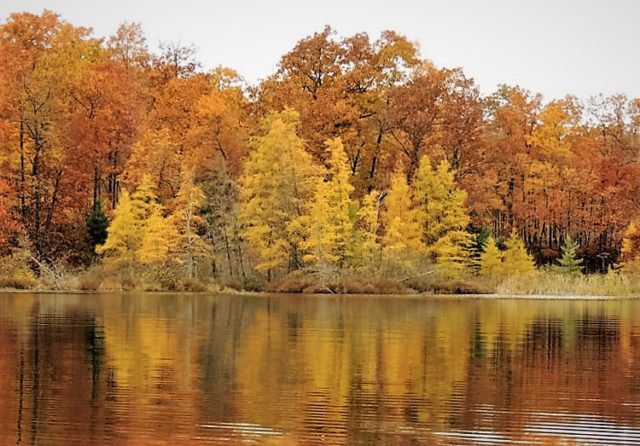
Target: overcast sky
(555, 47)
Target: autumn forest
(357, 165)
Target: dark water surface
(192, 369)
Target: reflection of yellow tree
(386, 362)
(320, 369)
(380, 363)
(152, 358)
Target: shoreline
(493, 296)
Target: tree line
(356, 155)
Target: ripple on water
(278, 370)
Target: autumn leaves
(298, 214)
(355, 155)
(145, 248)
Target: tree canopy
(356, 152)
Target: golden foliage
(276, 185)
(491, 260)
(516, 259)
(402, 239)
(331, 224)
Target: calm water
(190, 369)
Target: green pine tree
(97, 224)
(482, 239)
(569, 263)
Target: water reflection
(191, 369)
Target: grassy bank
(540, 283)
(96, 279)
(554, 284)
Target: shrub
(192, 285)
(445, 284)
(90, 280)
(116, 281)
(291, 285)
(250, 283)
(362, 285)
(349, 284)
(15, 271)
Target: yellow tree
(157, 249)
(331, 231)
(129, 227)
(630, 254)
(491, 265)
(402, 239)
(550, 137)
(452, 252)
(442, 215)
(191, 248)
(158, 240)
(276, 186)
(366, 241)
(123, 238)
(143, 203)
(516, 260)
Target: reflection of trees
(598, 335)
(229, 319)
(542, 344)
(331, 369)
(557, 366)
(54, 358)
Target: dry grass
(462, 284)
(371, 286)
(191, 285)
(555, 284)
(352, 284)
(90, 280)
(250, 283)
(16, 283)
(15, 272)
(290, 285)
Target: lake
(156, 369)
